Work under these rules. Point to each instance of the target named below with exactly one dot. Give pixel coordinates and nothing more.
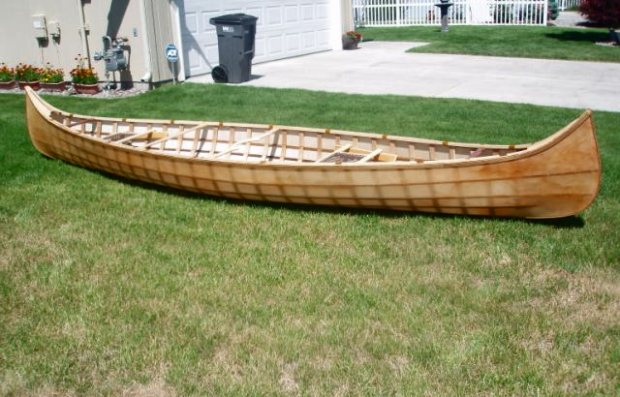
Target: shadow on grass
(570, 222)
(585, 36)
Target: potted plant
(26, 74)
(53, 79)
(351, 39)
(85, 79)
(7, 77)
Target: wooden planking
(300, 152)
(197, 133)
(248, 145)
(214, 137)
(317, 145)
(558, 176)
(431, 153)
(284, 148)
(180, 139)
(231, 141)
(265, 148)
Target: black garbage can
(235, 40)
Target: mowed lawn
(110, 287)
(575, 44)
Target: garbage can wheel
(219, 74)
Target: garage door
(284, 29)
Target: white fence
(564, 4)
(463, 12)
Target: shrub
(552, 10)
(82, 74)
(52, 75)
(6, 73)
(353, 35)
(604, 12)
(27, 73)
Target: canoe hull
(554, 181)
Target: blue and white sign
(172, 54)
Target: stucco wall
(147, 24)
(115, 18)
(347, 15)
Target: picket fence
(564, 4)
(464, 12)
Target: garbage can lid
(233, 19)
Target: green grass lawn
(109, 287)
(507, 41)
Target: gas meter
(113, 54)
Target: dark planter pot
(8, 85)
(87, 89)
(54, 86)
(614, 36)
(35, 85)
(349, 44)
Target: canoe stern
(40, 130)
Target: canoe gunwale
(524, 150)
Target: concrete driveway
(386, 68)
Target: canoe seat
(350, 154)
(128, 137)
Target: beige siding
(347, 15)
(19, 43)
(159, 33)
(103, 17)
(147, 24)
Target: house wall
(347, 15)
(159, 32)
(147, 24)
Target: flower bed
(85, 79)
(53, 79)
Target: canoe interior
(274, 144)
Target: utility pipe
(148, 75)
(85, 47)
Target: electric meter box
(54, 29)
(40, 26)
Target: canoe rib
(556, 177)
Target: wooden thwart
(239, 144)
(370, 155)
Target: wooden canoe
(556, 177)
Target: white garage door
(284, 29)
